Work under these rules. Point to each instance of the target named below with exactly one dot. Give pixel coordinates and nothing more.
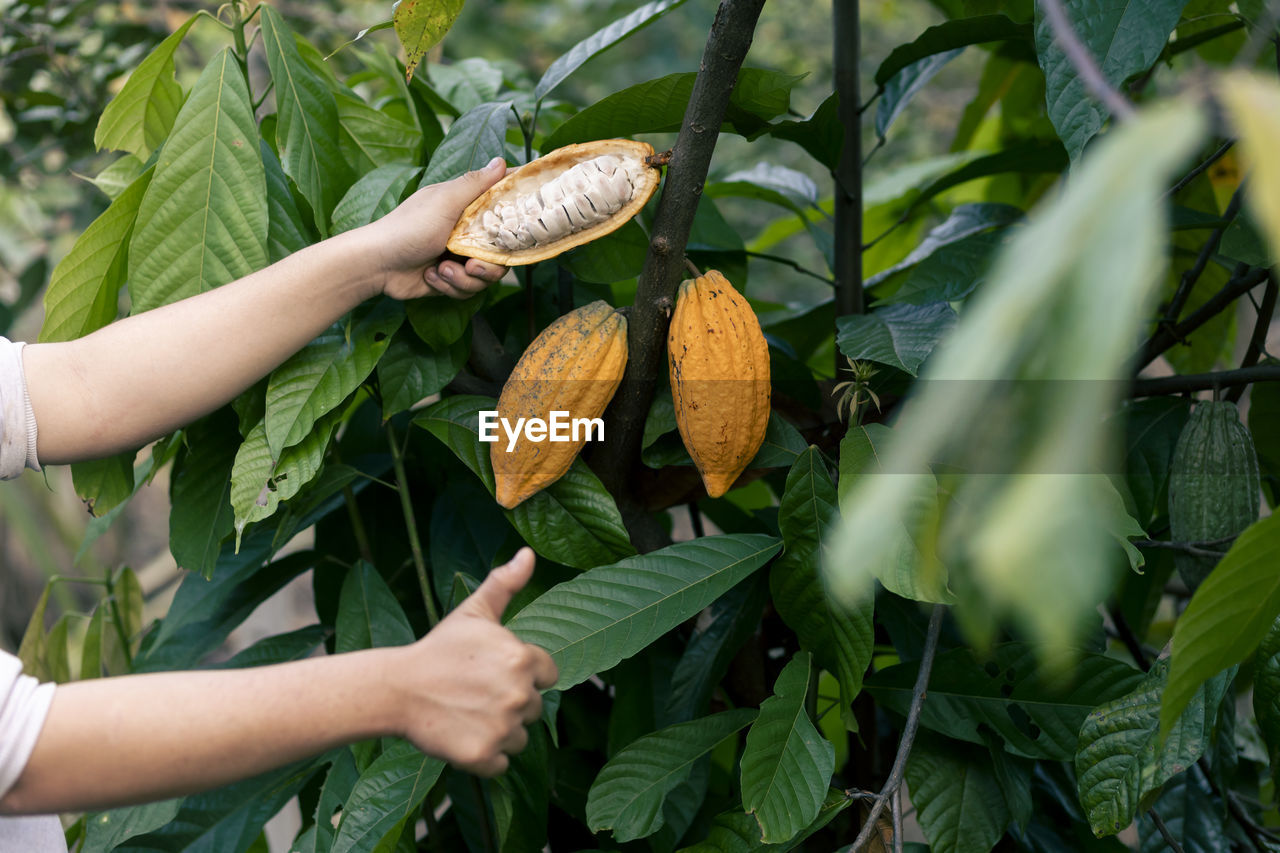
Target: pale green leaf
(786, 765)
(607, 614)
(1253, 103)
(139, 118)
(375, 194)
(370, 138)
(203, 219)
(475, 138)
(260, 481)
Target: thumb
(493, 596)
(462, 190)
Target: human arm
(462, 693)
(145, 375)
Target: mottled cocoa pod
(719, 365)
(573, 367)
(564, 199)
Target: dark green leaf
(965, 220)
(200, 493)
(286, 231)
(411, 371)
(949, 36)
(962, 808)
(900, 336)
(387, 794)
(614, 257)
(1152, 427)
(904, 85)
(374, 195)
(821, 134)
(369, 616)
(1192, 815)
(105, 831)
(278, 648)
(1266, 691)
(441, 321)
(622, 608)
(104, 484)
(473, 140)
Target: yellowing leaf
(420, 24)
(1254, 108)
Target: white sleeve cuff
(24, 704)
(17, 418)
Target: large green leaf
(306, 121)
(316, 379)
(104, 484)
(260, 480)
(286, 230)
(1028, 376)
(839, 634)
(628, 794)
(600, 41)
(105, 831)
(786, 765)
(619, 609)
(387, 794)
(900, 336)
(200, 493)
(736, 832)
(659, 106)
(475, 138)
(1123, 37)
(203, 219)
(410, 371)
(440, 321)
(1266, 690)
(369, 616)
(1035, 712)
(1228, 616)
(965, 220)
(1192, 815)
(375, 194)
(1152, 427)
(84, 291)
(370, 138)
(903, 86)
(420, 26)
(573, 521)
(948, 36)
(139, 118)
(961, 806)
(1122, 759)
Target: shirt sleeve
(17, 419)
(24, 704)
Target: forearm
(137, 738)
(143, 376)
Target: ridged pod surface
(574, 366)
(563, 199)
(1213, 484)
(719, 363)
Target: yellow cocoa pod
(719, 378)
(572, 368)
(564, 199)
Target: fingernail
(496, 162)
(447, 272)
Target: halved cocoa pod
(564, 199)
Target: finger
(461, 191)
(440, 285)
(545, 671)
(516, 740)
(497, 590)
(495, 766)
(456, 275)
(484, 269)
(532, 711)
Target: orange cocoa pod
(563, 199)
(572, 368)
(719, 378)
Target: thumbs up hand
(471, 685)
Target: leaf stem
(118, 620)
(1164, 831)
(411, 525)
(918, 693)
(1258, 341)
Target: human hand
(410, 240)
(473, 686)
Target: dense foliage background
(988, 471)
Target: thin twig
(1195, 549)
(1198, 170)
(1164, 831)
(1084, 62)
(1131, 642)
(909, 731)
(1258, 341)
(1168, 335)
(778, 259)
(897, 821)
(1192, 275)
(1204, 381)
(849, 298)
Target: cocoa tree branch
(1258, 340)
(1168, 335)
(1084, 62)
(909, 730)
(1192, 275)
(1164, 831)
(1205, 381)
(726, 48)
(848, 183)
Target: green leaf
(84, 291)
(1151, 430)
(900, 336)
(306, 123)
(440, 321)
(628, 794)
(316, 379)
(1228, 616)
(1192, 815)
(369, 616)
(420, 26)
(951, 273)
(369, 138)
(962, 807)
(903, 86)
(1266, 691)
(338, 784)
(621, 608)
(522, 797)
(1252, 103)
(278, 648)
(139, 118)
(1123, 38)
(373, 196)
(659, 106)
(1264, 424)
(389, 793)
(838, 634)
(105, 831)
(821, 135)
(1038, 714)
(948, 36)
(34, 645)
(475, 138)
(104, 484)
(736, 832)
(261, 481)
(965, 220)
(786, 765)
(286, 231)
(1122, 759)
(203, 219)
(410, 371)
(574, 521)
(600, 41)
(616, 256)
(911, 568)
(200, 493)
